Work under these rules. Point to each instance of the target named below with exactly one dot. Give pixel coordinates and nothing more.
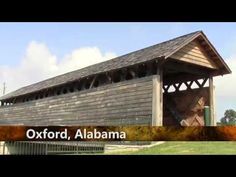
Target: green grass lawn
(187, 148)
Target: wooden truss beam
(92, 83)
(188, 84)
(186, 68)
(178, 78)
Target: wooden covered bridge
(165, 84)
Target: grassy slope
(189, 148)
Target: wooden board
(157, 99)
(195, 54)
(124, 103)
(189, 104)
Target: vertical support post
(214, 107)
(157, 98)
(161, 95)
(4, 146)
(46, 148)
(212, 102)
(77, 148)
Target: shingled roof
(161, 50)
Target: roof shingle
(156, 51)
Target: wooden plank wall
(194, 53)
(124, 103)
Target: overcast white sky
(31, 52)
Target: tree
(229, 117)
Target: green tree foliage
(229, 117)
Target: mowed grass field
(188, 148)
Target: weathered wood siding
(195, 54)
(188, 104)
(124, 103)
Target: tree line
(229, 118)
